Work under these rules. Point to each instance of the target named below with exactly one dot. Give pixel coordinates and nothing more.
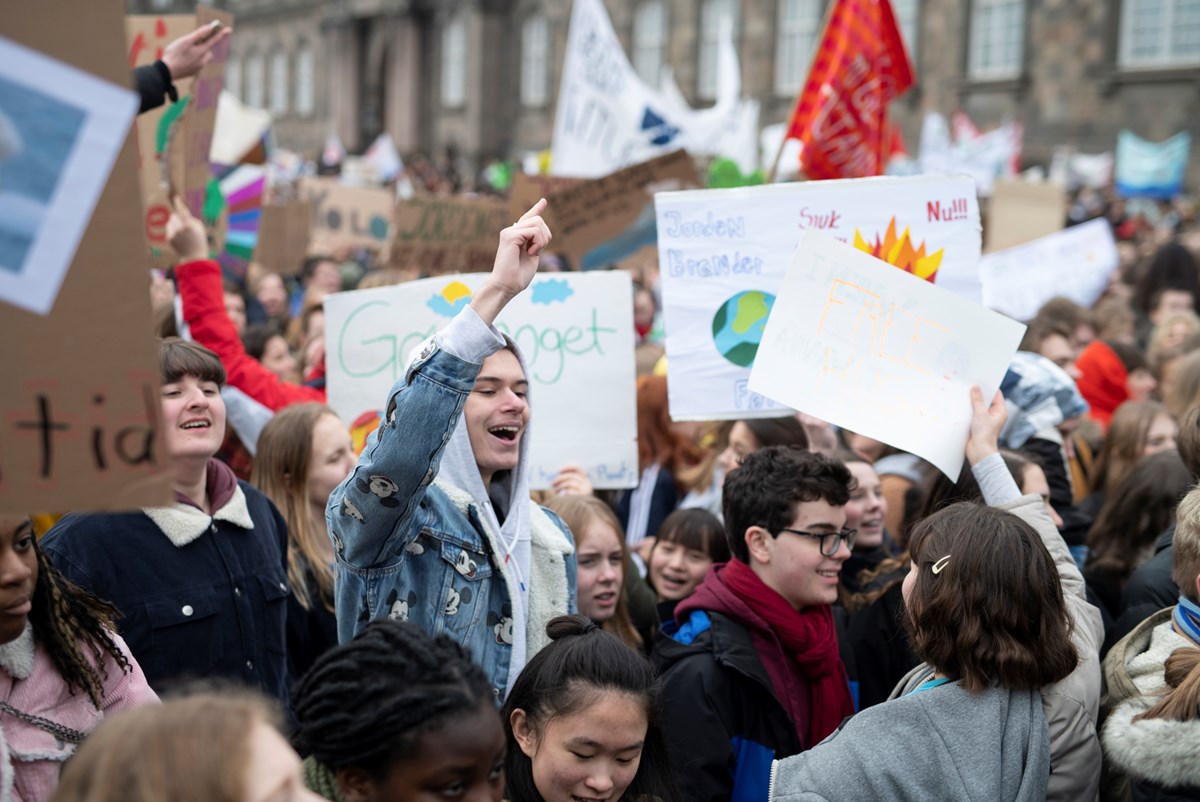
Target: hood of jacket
(1153, 750)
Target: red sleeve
(203, 301)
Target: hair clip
(940, 564)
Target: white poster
(60, 132)
(723, 254)
(575, 330)
(876, 350)
(608, 118)
(1076, 263)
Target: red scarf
(808, 636)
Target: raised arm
(371, 511)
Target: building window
(650, 41)
(799, 25)
(454, 62)
(713, 14)
(254, 80)
(233, 76)
(908, 16)
(535, 60)
(305, 79)
(279, 83)
(997, 39)
(1160, 33)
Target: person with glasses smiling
(750, 668)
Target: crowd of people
(385, 611)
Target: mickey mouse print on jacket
(412, 545)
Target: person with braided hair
(397, 715)
(63, 668)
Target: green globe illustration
(738, 326)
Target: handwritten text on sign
(575, 331)
(880, 352)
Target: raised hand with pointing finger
(521, 246)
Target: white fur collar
(550, 548)
(16, 657)
(183, 523)
(1162, 752)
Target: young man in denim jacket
(435, 525)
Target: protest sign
(1151, 169)
(724, 252)
(189, 140)
(283, 235)
(1022, 211)
(528, 189)
(345, 216)
(440, 236)
(876, 350)
(146, 37)
(1076, 263)
(576, 331)
(80, 423)
(601, 221)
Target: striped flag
(841, 114)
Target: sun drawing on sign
(899, 251)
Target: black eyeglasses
(830, 541)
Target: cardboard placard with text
(1022, 211)
(345, 216)
(601, 221)
(146, 37)
(575, 331)
(528, 189)
(878, 351)
(283, 236)
(189, 141)
(80, 421)
(439, 236)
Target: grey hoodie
(944, 743)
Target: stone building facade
(481, 76)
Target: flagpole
(811, 61)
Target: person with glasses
(750, 667)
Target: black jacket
(153, 82)
(1150, 589)
(723, 723)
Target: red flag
(841, 114)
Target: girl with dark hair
(748, 436)
(688, 544)
(303, 453)
(63, 668)
(995, 609)
(396, 713)
(602, 559)
(584, 723)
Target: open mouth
(829, 574)
(505, 433)
(196, 424)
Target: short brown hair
(192, 749)
(178, 358)
(1185, 558)
(994, 612)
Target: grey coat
(927, 746)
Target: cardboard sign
(615, 211)
(576, 332)
(1021, 211)
(283, 235)
(189, 142)
(80, 420)
(1076, 263)
(723, 253)
(146, 37)
(345, 216)
(528, 189)
(440, 236)
(876, 350)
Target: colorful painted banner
(1151, 169)
(840, 117)
(878, 351)
(724, 252)
(1076, 263)
(576, 331)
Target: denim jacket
(416, 549)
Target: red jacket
(202, 295)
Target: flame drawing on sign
(899, 251)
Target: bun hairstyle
(567, 676)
